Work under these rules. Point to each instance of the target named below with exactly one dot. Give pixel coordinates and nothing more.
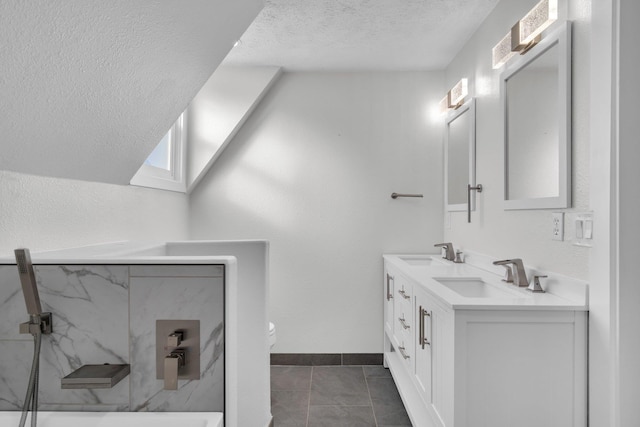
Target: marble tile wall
(103, 314)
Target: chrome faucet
(519, 275)
(449, 254)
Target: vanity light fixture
(502, 52)
(526, 33)
(455, 97)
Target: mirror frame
(468, 107)
(561, 37)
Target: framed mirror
(536, 99)
(460, 156)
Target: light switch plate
(583, 229)
(557, 231)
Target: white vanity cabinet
(433, 353)
(472, 362)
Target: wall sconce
(526, 33)
(455, 97)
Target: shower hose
(31, 399)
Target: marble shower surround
(102, 315)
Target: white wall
(312, 171)
(628, 175)
(521, 234)
(51, 213)
(218, 111)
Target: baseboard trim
(326, 359)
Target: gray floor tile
(283, 402)
(377, 371)
(383, 388)
(291, 419)
(391, 414)
(387, 405)
(341, 416)
(339, 385)
(290, 377)
(340, 396)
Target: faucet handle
(535, 284)
(175, 339)
(449, 254)
(508, 276)
(172, 364)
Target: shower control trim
(45, 325)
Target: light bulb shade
(502, 52)
(533, 24)
(458, 93)
(444, 104)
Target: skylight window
(165, 167)
(160, 157)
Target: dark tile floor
(335, 396)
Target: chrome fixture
(390, 279)
(508, 276)
(458, 259)
(526, 33)
(396, 195)
(535, 284)
(95, 376)
(449, 254)
(177, 351)
(422, 338)
(519, 275)
(39, 323)
(172, 365)
(477, 188)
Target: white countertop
(562, 293)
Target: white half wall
(52, 213)
(312, 171)
(522, 234)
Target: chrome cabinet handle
(404, 353)
(477, 188)
(403, 323)
(389, 294)
(404, 294)
(422, 339)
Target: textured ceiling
(88, 88)
(360, 34)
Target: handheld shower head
(28, 280)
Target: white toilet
(272, 334)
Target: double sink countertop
(474, 285)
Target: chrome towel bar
(396, 195)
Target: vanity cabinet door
(433, 354)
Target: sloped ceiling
(360, 34)
(88, 88)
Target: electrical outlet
(557, 232)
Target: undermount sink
(417, 261)
(473, 287)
